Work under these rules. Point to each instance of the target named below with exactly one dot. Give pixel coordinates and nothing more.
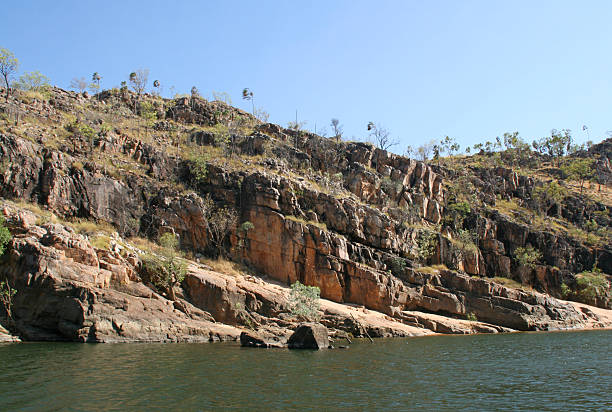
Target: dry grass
(226, 267)
(511, 283)
(431, 270)
(88, 227)
(320, 225)
(100, 242)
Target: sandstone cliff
(346, 217)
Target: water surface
(523, 371)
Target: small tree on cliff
(8, 65)
(79, 84)
(304, 301)
(527, 256)
(5, 236)
(381, 136)
(335, 124)
(247, 94)
(139, 80)
(166, 269)
(220, 222)
(581, 170)
(6, 297)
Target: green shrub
(471, 317)
(455, 213)
(426, 240)
(6, 297)
(398, 265)
(5, 236)
(198, 167)
(591, 284)
(166, 269)
(527, 256)
(304, 301)
(566, 291)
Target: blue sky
(422, 69)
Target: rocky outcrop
(69, 291)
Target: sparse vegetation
(527, 256)
(164, 269)
(6, 297)
(591, 284)
(304, 301)
(427, 241)
(8, 66)
(5, 236)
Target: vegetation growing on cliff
(304, 301)
(165, 268)
(5, 236)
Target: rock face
(345, 217)
(68, 292)
(309, 336)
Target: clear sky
(422, 69)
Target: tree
(381, 136)
(548, 195)
(167, 269)
(157, 85)
(95, 78)
(8, 65)
(248, 95)
(5, 236)
(33, 81)
(219, 221)
(195, 93)
(554, 145)
(139, 80)
(426, 242)
(6, 297)
(581, 170)
(449, 145)
(410, 151)
(335, 124)
(297, 127)
(148, 113)
(304, 301)
(527, 256)
(79, 84)
(465, 242)
(425, 150)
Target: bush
(591, 284)
(398, 265)
(455, 214)
(199, 169)
(427, 241)
(5, 236)
(6, 297)
(527, 256)
(304, 301)
(166, 269)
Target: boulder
(252, 339)
(309, 336)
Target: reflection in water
(535, 371)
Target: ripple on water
(533, 371)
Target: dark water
(566, 371)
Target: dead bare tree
(381, 136)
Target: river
(557, 371)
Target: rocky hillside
(398, 247)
